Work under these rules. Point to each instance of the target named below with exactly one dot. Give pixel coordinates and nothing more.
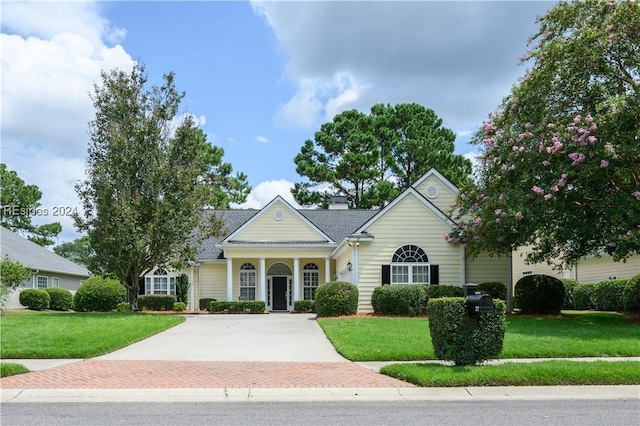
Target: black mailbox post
(476, 301)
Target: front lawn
(572, 334)
(48, 334)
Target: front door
(279, 293)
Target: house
(280, 254)
(49, 269)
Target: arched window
(247, 281)
(310, 280)
(410, 265)
(161, 282)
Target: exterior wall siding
(604, 268)
(485, 268)
(289, 228)
(445, 198)
(212, 279)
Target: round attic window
(278, 215)
(432, 191)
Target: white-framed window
(42, 282)
(410, 265)
(55, 282)
(160, 283)
(248, 281)
(310, 280)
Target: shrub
(496, 290)
(35, 298)
(539, 294)
(584, 296)
(336, 298)
(61, 298)
(569, 285)
(238, 306)
(631, 295)
(156, 302)
(182, 289)
(179, 306)
(608, 295)
(99, 294)
(408, 300)
(436, 291)
(464, 338)
(123, 307)
(304, 306)
(205, 302)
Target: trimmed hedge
(156, 302)
(35, 299)
(179, 306)
(123, 307)
(539, 294)
(496, 290)
(569, 285)
(409, 300)
(99, 294)
(304, 306)
(238, 306)
(608, 295)
(205, 303)
(464, 338)
(584, 296)
(631, 295)
(61, 298)
(336, 298)
(435, 291)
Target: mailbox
(476, 301)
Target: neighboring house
(49, 269)
(589, 269)
(280, 254)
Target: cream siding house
(280, 254)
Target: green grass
(47, 334)
(11, 369)
(545, 373)
(573, 334)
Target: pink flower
(592, 139)
(589, 118)
(498, 220)
(577, 119)
(577, 158)
(604, 164)
(538, 190)
(548, 197)
(519, 215)
(546, 163)
(612, 244)
(498, 212)
(555, 188)
(637, 195)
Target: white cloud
(303, 109)
(261, 139)
(474, 157)
(266, 191)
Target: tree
(372, 158)
(12, 275)
(18, 203)
(146, 183)
(560, 158)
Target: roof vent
(338, 202)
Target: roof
(36, 257)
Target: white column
(229, 279)
(509, 282)
(463, 266)
(296, 279)
(354, 272)
(327, 269)
(191, 289)
(263, 281)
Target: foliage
(539, 294)
(336, 298)
(631, 295)
(182, 288)
(11, 369)
(569, 285)
(179, 306)
(584, 296)
(205, 303)
(435, 291)
(18, 203)
(147, 182)
(406, 300)
(462, 338)
(79, 251)
(372, 158)
(12, 273)
(608, 295)
(99, 294)
(123, 307)
(156, 302)
(60, 298)
(35, 298)
(304, 306)
(563, 146)
(496, 290)
(238, 306)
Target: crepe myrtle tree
(147, 183)
(560, 158)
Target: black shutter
(434, 274)
(386, 274)
(141, 286)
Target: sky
(261, 77)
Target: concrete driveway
(272, 337)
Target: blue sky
(260, 76)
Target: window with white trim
(410, 265)
(55, 282)
(160, 283)
(247, 281)
(310, 280)
(42, 282)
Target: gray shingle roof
(33, 256)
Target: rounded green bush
(179, 306)
(336, 298)
(35, 298)
(406, 300)
(569, 285)
(608, 295)
(539, 294)
(496, 290)
(61, 298)
(584, 296)
(99, 294)
(205, 303)
(123, 307)
(631, 295)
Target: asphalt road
(477, 413)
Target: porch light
(349, 266)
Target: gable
(437, 189)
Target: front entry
(279, 293)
